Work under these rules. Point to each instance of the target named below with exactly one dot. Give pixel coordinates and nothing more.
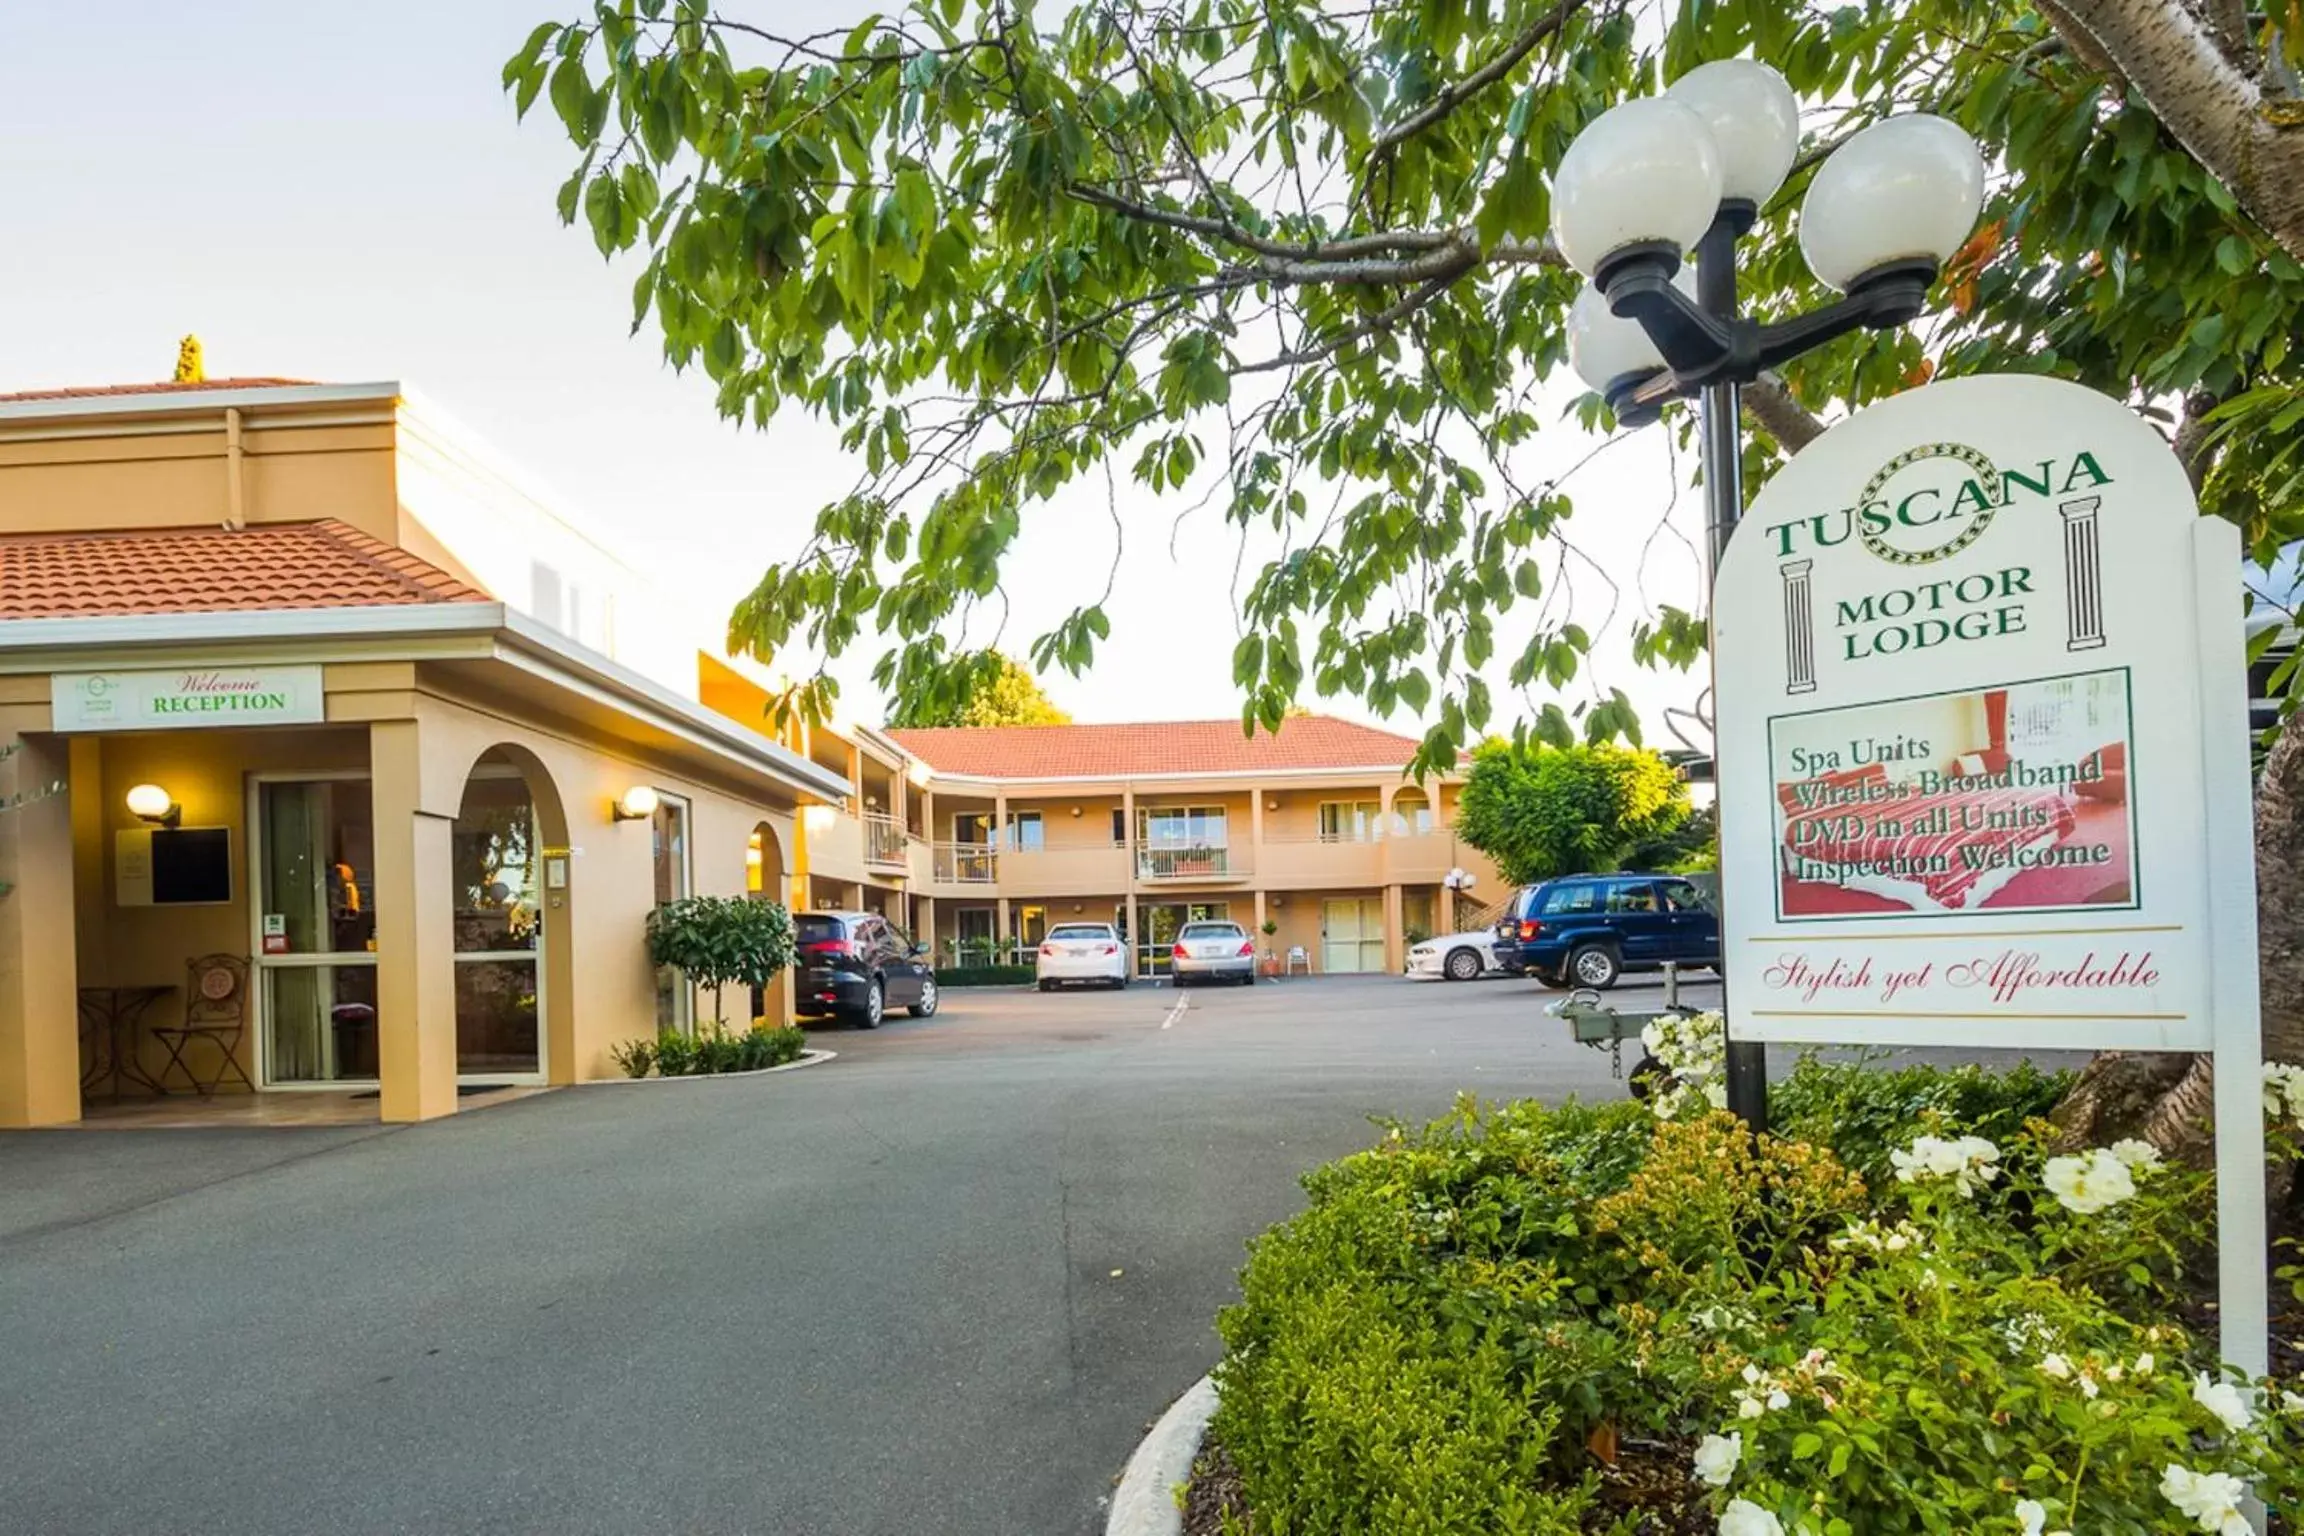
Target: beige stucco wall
(177, 479)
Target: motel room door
(1352, 935)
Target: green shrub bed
(710, 1051)
(1906, 1314)
(986, 976)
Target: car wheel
(1462, 965)
(1047, 986)
(928, 999)
(1119, 983)
(1594, 966)
(1248, 980)
(875, 1005)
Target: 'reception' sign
(186, 697)
(1966, 741)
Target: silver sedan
(1213, 951)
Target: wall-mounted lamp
(1277, 903)
(918, 773)
(638, 804)
(1077, 907)
(752, 857)
(149, 802)
(1272, 804)
(1075, 813)
(817, 819)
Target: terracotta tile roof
(165, 387)
(1306, 742)
(326, 564)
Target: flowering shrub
(1580, 1320)
(1693, 1050)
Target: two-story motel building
(339, 761)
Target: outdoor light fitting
(1653, 179)
(149, 802)
(638, 804)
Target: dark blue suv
(1587, 930)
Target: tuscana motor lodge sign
(1963, 745)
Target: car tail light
(1107, 949)
(1180, 952)
(1248, 948)
(1048, 951)
(1529, 928)
(834, 947)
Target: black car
(1587, 930)
(858, 965)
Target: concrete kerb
(810, 1057)
(1145, 1502)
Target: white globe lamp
(1642, 174)
(1611, 352)
(1904, 190)
(1755, 124)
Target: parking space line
(1177, 1010)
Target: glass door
(499, 929)
(1351, 936)
(315, 940)
(1161, 920)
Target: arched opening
(1412, 814)
(508, 871)
(764, 880)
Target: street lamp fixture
(1651, 180)
(1655, 178)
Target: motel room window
(668, 830)
(1187, 826)
(1411, 816)
(972, 828)
(1025, 834)
(1119, 827)
(1348, 821)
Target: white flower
(2090, 1182)
(2222, 1399)
(2290, 1402)
(2138, 1155)
(1742, 1517)
(2145, 1364)
(2056, 1366)
(2032, 1515)
(1968, 1161)
(1750, 1408)
(2210, 1499)
(1716, 1458)
(1716, 1095)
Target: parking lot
(939, 1284)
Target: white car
(1455, 956)
(1090, 953)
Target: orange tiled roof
(1305, 742)
(165, 387)
(325, 564)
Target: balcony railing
(884, 841)
(1201, 863)
(966, 864)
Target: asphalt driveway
(934, 1288)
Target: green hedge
(1526, 1321)
(986, 976)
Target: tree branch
(2247, 139)
(1457, 93)
(1374, 324)
(1775, 412)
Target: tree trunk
(2211, 100)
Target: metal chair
(1296, 957)
(215, 1010)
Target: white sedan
(1084, 952)
(1455, 956)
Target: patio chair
(1297, 957)
(215, 1010)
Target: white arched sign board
(1983, 752)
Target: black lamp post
(1655, 178)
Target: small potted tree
(1271, 955)
(721, 941)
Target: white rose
(2222, 1399)
(1716, 1458)
(1742, 1517)
(2137, 1155)
(2090, 1182)
(2211, 1500)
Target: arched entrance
(508, 895)
(765, 880)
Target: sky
(339, 192)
